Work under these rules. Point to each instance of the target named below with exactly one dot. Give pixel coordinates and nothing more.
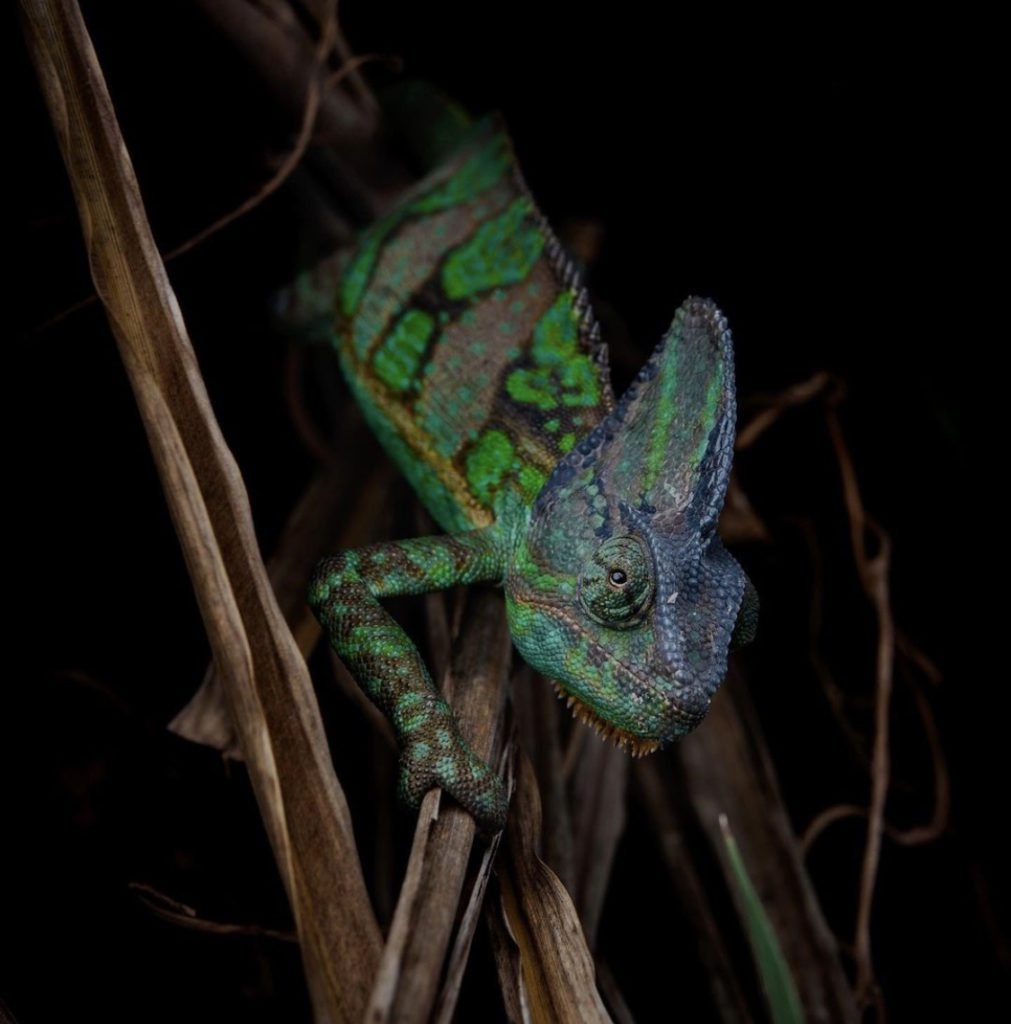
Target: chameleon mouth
(637, 746)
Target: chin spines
(636, 746)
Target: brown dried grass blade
(321, 522)
(728, 771)
(471, 916)
(554, 980)
(407, 983)
(265, 678)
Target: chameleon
(467, 338)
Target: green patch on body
(531, 481)
(488, 463)
(561, 374)
(534, 387)
(398, 358)
(501, 252)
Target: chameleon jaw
(636, 746)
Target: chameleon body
(469, 343)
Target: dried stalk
(265, 678)
(546, 969)
(873, 572)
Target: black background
(814, 175)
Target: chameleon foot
(456, 769)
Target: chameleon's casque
(469, 343)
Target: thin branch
(288, 164)
(873, 573)
(918, 834)
(776, 405)
(183, 915)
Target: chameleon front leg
(345, 593)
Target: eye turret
(616, 586)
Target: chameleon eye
(616, 584)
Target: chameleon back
(467, 339)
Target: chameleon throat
(637, 746)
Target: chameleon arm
(345, 594)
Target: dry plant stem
(267, 684)
(873, 572)
(288, 164)
(321, 10)
(776, 405)
(507, 963)
(171, 910)
(445, 1008)
(407, 982)
(834, 693)
(727, 769)
(917, 835)
(693, 900)
(272, 39)
(555, 977)
(310, 532)
(284, 171)
(282, 53)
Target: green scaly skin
(468, 341)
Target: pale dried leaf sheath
(555, 973)
(323, 520)
(264, 677)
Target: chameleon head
(620, 589)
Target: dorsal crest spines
(569, 275)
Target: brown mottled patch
(453, 363)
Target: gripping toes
(452, 766)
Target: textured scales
(468, 341)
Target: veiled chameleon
(468, 340)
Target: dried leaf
(264, 676)
(341, 496)
(556, 980)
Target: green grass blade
(773, 970)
